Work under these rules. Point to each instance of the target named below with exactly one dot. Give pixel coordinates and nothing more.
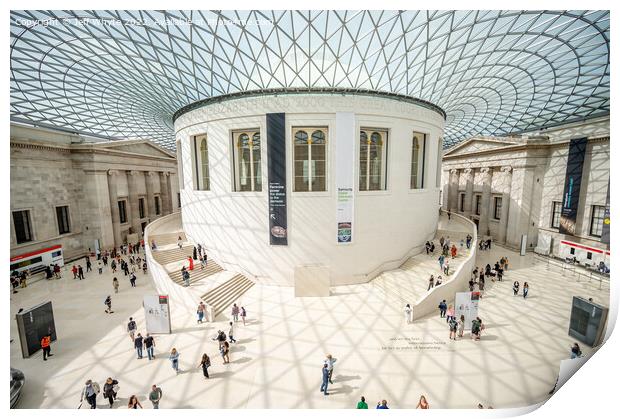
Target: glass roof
(123, 74)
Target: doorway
(143, 227)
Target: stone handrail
(458, 282)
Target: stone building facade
(82, 193)
(513, 186)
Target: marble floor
(277, 360)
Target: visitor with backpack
(131, 328)
(108, 304)
(442, 309)
(205, 363)
(453, 326)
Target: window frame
(157, 204)
(555, 204)
(141, 207)
(383, 170)
(310, 130)
(497, 199)
(201, 163)
(461, 201)
(477, 203)
(28, 212)
(123, 212)
(420, 169)
(600, 219)
(255, 179)
(68, 219)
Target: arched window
(310, 159)
(247, 160)
(373, 145)
(201, 163)
(418, 144)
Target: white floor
(277, 360)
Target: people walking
(90, 391)
(243, 314)
(155, 396)
(110, 389)
(131, 328)
(325, 379)
(450, 314)
(442, 308)
(89, 265)
(235, 312)
(108, 304)
(46, 346)
(452, 323)
(115, 284)
(515, 288)
(113, 266)
(149, 344)
(362, 404)
(422, 403)
(138, 343)
(408, 312)
(431, 283)
(174, 359)
(133, 403)
(200, 311)
(180, 242)
(231, 333)
(132, 280)
(205, 363)
(446, 268)
(185, 274)
(225, 352)
(81, 273)
(330, 361)
(453, 251)
(526, 289)
(476, 328)
(461, 325)
(441, 260)
(190, 261)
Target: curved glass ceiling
(123, 74)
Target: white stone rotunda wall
(388, 225)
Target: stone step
(197, 274)
(223, 296)
(167, 238)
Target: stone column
(454, 190)
(149, 179)
(506, 181)
(116, 219)
(485, 202)
(166, 203)
(133, 178)
(469, 191)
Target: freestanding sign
(466, 304)
(157, 314)
(276, 178)
(33, 324)
(572, 185)
(345, 157)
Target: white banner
(466, 304)
(157, 313)
(345, 171)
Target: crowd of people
(383, 404)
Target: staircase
(164, 257)
(223, 296)
(197, 274)
(167, 238)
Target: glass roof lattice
(123, 74)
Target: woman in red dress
(191, 263)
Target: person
(132, 279)
(15, 284)
(153, 245)
(144, 267)
(408, 311)
(185, 276)
(382, 404)
(57, 271)
(205, 363)
(468, 241)
(461, 325)
(202, 262)
(442, 309)
(476, 328)
(46, 346)
(446, 268)
(438, 282)
(89, 265)
(330, 361)
(235, 312)
(471, 285)
(90, 391)
(450, 314)
(481, 284)
(113, 266)
(441, 241)
(526, 289)
(174, 359)
(200, 311)
(453, 251)
(180, 242)
(138, 343)
(362, 404)
(449, 215)
(155, 396)
(221, 338)
(243, 314)
(225, 351)
(441, 260)
(325, 379)
(108, 304)
(149, 344)
(231, 333)
(515, 288)
(453, 326)
(431, 283)
(110, 389)
(575, 351)
(81, 273)
(427, 246)
(133, 403)
(131, 328)
(115, 284)
(423, 404)
(191, 263)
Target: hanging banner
(276, 178)
(466, 304)
(157, 314)
(605, 233)
(345, 170)
(572, 185)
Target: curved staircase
(223, 296)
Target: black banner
(605, 234)
(276, 178)
(572, 185)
